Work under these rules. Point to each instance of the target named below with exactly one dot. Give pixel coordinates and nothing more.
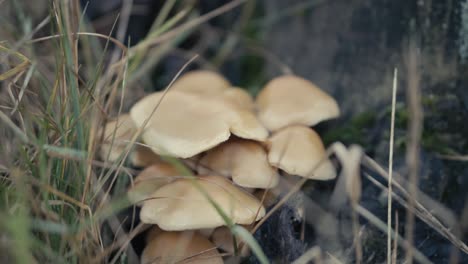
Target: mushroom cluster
(235, 144)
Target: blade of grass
(23, 88)
(240, 231)
(400, 240)
(15, 128)
(18, 68)
(247, 237)
(415, 125)
(70, 75)
(191, 24)
(390, 168)
(439, 217)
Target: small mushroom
(186, 124)
(142, 157)
(201, 82)
(180, 247)
(180, 205)
(269, 199)
(151, 179)
(244, 160)
(239, 97)
(152, 233)
(223, 239)
(289, 100)
(117, 134)
(298, 150)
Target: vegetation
(60, 80)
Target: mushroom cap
(180, 247)
(152, 233)
(289, 100)
(244, 160)
(186, 124)
(151, 179)
(298, 150)
(239, 97)
(270, 197)
(142, 156)
(222, 238)
(201, 82)
(116, 133)
(179, 205)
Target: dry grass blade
(283, 200)
(22, 90)
(390, 167)
(415, 130)
(350, 181)
(454, 157)
(439, 217)
(383, 227)
(122, 27)
(18, 68)
(14, 127)
(193, 23)
(27, 37)
(395, 244)
(313, 254)
(121, 242)
(113, 40)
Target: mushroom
(117, 134)
(210, 83)
(151, 179)
(269, 199)
(223, 239)
(298, 150)
(186, 124)
(142, 157)
(289, 99)
(239, 97)
(243, 160)
(152, 233)
(180, 247)
(201, 82)
(180, 205)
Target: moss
(252, 73)
(352, 132)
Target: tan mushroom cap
(186, 124)
(143, 156)
(151, 179)
(117, 136)
(269, 199)
(289, 100)
(244, 160)
(180, 247)
(179, 205)
(297, 150)
(210, 83)
(239, 97)
(201, 82)
(152, 233)
(222, 238)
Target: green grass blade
(250, 240)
